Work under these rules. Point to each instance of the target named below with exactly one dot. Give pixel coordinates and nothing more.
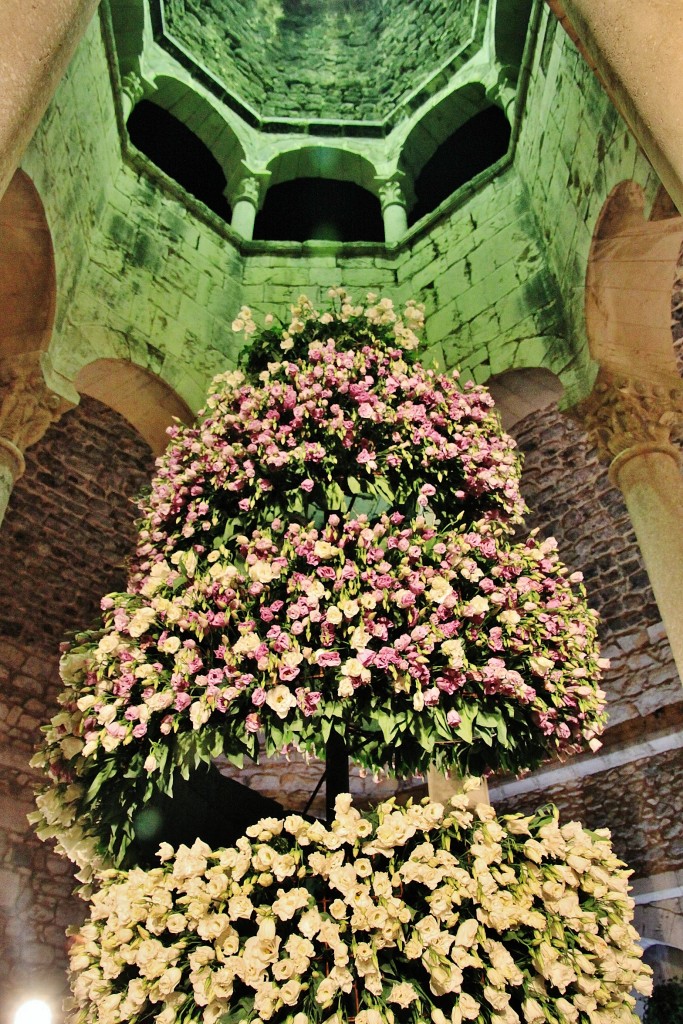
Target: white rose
(281, 700)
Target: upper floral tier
(334, 407)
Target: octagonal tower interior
(199, 156)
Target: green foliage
(665, 1005)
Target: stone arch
(510, 26)
(629, 283)
(520, 392)
(209, 124)
(27, 271)
(143, 399)
(439, 122)
(331, 162)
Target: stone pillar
(501, 91)
(631, 423)
(393, 209)
(637, 48)
(27, 408)
(37, 41)
(245, 205)
(132, 91)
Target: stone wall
(65, 537)
(573, 149)
(72, 160)
(321, 59)
(641, 803)
(490, 302)
(572, 499)
(161, 288)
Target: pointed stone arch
(27, 271)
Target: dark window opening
(179, 153)
(319, 208)
(473, 147)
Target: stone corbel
(501, 90)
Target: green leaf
(468, 713)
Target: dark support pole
(336, 772)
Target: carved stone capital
(391, 192)
(623, 414)
(27, 405)
(248, 191)
(133, 86)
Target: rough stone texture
(321, 58)
(73, 158)
(36, 904)
(68, 528)
(641, 803)
(489, 300)
(572, 499)
(677, 314)
(67, 532)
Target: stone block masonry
(65, 539)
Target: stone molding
(626, 416)
(27, 406)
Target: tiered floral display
(330, 554)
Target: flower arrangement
(265, 612)
(412, 914)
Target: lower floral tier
(413, 914)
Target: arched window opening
(319, 208)
(179, 153)
(473, 147)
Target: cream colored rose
(323, 549)
(477, 606)
(281, 700)
(439, 590)
(455, 652)
(141, 621)
(264, 571)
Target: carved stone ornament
(27, 405)
(133, 86)
(623, 413)
(248, 191)
(391, 193)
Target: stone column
(132, 91)
(631, 423)
(37, 41)
(637, 48)
(393, 209)
(245, 206)
(501, 91)
(27, 408)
